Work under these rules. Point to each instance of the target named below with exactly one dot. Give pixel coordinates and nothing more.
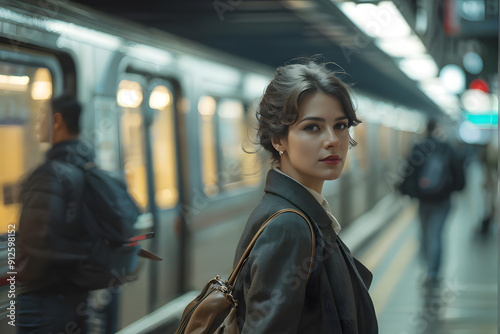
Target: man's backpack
(429, 173)
(108, 214)
(434, 176)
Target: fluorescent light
(15, 80)
(435, 90)
(359, 14)
(432, 87)
(476, 101)
(14, 83)
(382, 20)
(392, 22)
(401, 46)
(453, 78)
(419, 68)
(151, 54)
(447, 101)
(81, 34)
(65, 29)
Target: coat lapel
(362, 273)
(296, 194)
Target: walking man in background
(434, 171)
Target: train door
(150, 164)
(26, 85)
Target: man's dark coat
(272, 291)
(50, 222)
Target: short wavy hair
(279, 106)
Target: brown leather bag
(214, 310)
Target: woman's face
(316, 147)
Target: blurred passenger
(304, 120)
(434, 172)
(489, 156)
(49, 224)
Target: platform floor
(465, 301)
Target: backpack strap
(236, 271)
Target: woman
(304, 120)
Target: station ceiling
(274, 32)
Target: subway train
(177, 121)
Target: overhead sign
(484, 120)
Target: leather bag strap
(244, 257)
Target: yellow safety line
(378, 249)
(387, 283)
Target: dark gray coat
(272, 291)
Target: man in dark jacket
(434, 172)
(49, 227)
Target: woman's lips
(331, 160)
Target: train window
(251, 162)
(405, 146)
(224, 137)
(130, 97)
(384, 135)
(231, 130)
(163, 141)
(361, 150)
(206, 108)
(24, 91)
(237, 167)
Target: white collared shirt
(321, 200)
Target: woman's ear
(278, 144)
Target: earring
(281, 153)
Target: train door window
(224, 139)
(129, 98)
(405, 146)
(251, 161)
(231, 127)
(206, 108)
(163, 141)
(384, 134)
(25, 92)
(361, 150)
(237, 167)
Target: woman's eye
(341, 126)
(311, 127)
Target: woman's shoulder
(288, 227)
(270, 205)
(288, 224)
(286, 238)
